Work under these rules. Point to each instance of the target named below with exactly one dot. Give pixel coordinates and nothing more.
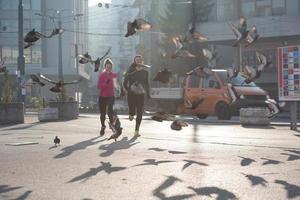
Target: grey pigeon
(180, 48)
(137, 24)
(252, 36)
(36, 79)
(58, 85)
(164, 76)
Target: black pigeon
(195, 103)
(137, 24)
(115, 126)
(56, 141)
(58, 85)
(33, 36)
(252, 36)
(97, 61)
(164, 76)
(2, 67)
(36, 79)
(177, 125)
(180, 48)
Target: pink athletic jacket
(105, 84)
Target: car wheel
(223, 111)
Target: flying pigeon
(86, 58)
(274, 107)
(58, 85)
(194, 104)
(56, 141)
(232, 93)
(181, 50)
(193, 35)
(56, 31)
(253, 73)
(164, 76)
(200, 71)
(252, 36)
(36, 79)
(137, 24)
(32, 36)
(178, 124)
(208, 54)
(2, 67)
(232, 72)
(240, 31)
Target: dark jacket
(141, 77)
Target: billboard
(289, 73)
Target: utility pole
(77, 72)
(21, 59)
(194, 62)
(60, 64)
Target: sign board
(289, 73)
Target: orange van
(213, 90)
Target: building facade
(43, 56)
(277, 22)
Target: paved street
(205, 160)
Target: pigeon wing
(47, 79)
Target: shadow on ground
(78, 146)
(122, 144)
(105, 167)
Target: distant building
(277, 22)
(43, 57)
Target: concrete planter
(66, 110)
(11, 113)
(48, 114)
(254, 116)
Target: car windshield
(237, 81)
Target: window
(278, 7)
(194, 81)
(226, 10)
(263, 8)
(248, 8)
(210, 82)
(9, 4)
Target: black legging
(106, 102)
(136, 106)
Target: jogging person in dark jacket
(136, 83)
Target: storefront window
(226, 10)
(278, 7)
(263, 8)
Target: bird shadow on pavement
(153, 162)
(293, 191)
(221, 194)
(256, 180)
(271, 162)
(169, 151)
(78, 146)
(292, 157)
(170, 180)
(7, 188)
(122, 144)
(246, 161)
(105, 167)
(24, 196)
